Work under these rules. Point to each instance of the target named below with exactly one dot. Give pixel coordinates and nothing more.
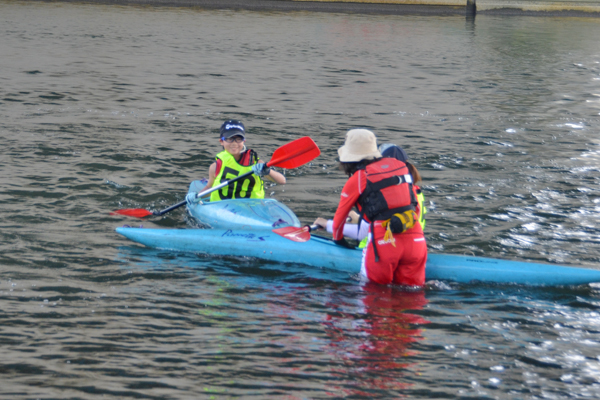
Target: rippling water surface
(106, 107)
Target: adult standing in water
(359, 232)
(382, 190)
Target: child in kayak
(382, 189)
(235, 160)
(352, 229)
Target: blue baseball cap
(390, 150)
(232, 127)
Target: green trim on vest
(363, 243)
(249, 187)
(422, 208)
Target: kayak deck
(241, 213)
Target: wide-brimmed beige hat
(361, 144)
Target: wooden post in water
(471, 8)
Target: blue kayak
(241, 213)
(323, 253)
(245, 227)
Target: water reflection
(374, 342)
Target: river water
(106, 107)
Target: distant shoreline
(353, 7)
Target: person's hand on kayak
(322, 222)
(261, 169)
(192, 198)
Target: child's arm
(211, 175)
(276, 177)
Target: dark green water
(106, 107)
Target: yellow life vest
(422, 208)
(250, 187)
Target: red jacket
(351, 192)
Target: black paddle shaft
(203, 193)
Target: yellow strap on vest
(389, 236)
(407, 218)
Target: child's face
(233, 145)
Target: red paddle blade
(132, 212)
(295, 234)
(295, 154)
